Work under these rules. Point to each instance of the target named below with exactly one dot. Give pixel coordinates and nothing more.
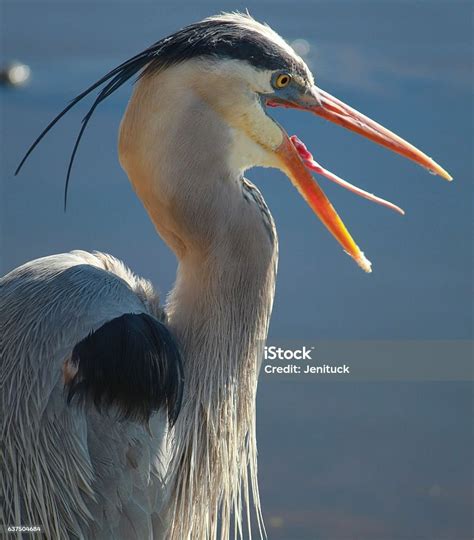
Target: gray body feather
(72, 471)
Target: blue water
(338, 461)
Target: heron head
(241, 68)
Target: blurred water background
(358, 459)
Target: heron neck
(220, 313)
(226, 296)
(223, 236)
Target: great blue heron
(122, 419)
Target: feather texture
(69, 470)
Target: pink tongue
(309, 161)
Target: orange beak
(294, 161)
(336, 111)
(296, 170)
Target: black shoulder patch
(131, 362)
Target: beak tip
(437, 169)
(362, 261)
(444, 174)
(365, 264)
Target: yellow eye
(282, 80)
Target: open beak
(296, 161)
(295, 168)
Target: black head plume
(232, 36)
(114, 79)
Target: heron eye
(282, 80)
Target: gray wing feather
(46, 307)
